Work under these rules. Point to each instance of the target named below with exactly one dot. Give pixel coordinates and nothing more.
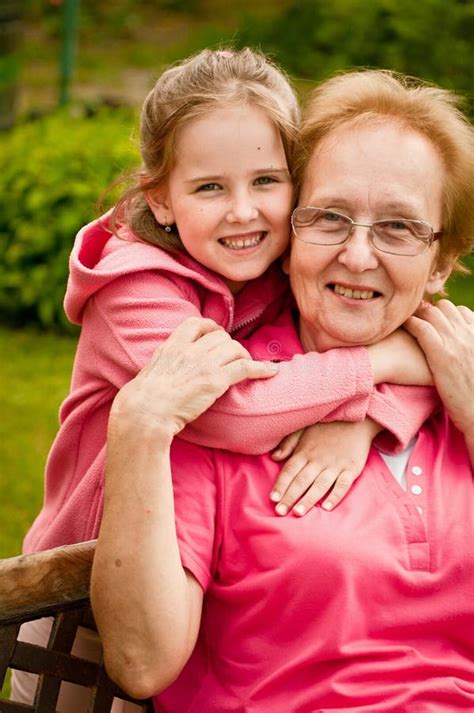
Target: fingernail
(276, 453)
(327, 505)
(299, 509)
(275, 496)
(281, 509)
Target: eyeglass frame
(428, 243)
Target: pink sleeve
(128, 319)
(254, 416)
(287, 402)
(401, 410)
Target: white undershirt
(397, 463)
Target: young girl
(200, 234)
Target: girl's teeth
(354, 294)
(239, 244)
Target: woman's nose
(242, 209)
(358, 254)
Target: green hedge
(54, 170)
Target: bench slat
(32, 583)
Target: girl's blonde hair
(209, 80)
(359, 97)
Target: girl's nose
(242, 209)
(358, 254)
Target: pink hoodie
(129, 296)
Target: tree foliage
(54, 169)
(314, 38)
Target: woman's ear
(158, 200)
(439, 275)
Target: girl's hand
(445, 332)
(287, 445)
(186, 374)
(327, 457)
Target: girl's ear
(158, 200)
(438, 277)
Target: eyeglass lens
(400, 236)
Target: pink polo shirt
(366, 608)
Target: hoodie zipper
(248, 320)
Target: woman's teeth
(241, 243)
(354, 294)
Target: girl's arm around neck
(336, 385)
(139, 314)
(398, 359)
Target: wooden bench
(55, 584)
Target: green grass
(34, 378)
(35, 372)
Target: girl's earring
(167, 228)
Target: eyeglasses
(396, 236)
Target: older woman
(202, 595)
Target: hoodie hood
(99, 256)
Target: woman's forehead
(379, 167)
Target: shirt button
(416, 489)
(416, 470)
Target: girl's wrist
(379, 362)
(373, 428)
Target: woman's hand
(186, 374)
(324, 457)
(445, 333)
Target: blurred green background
(57, 160)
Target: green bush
(53, 172)
(314, 38)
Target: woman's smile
(354, 292)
